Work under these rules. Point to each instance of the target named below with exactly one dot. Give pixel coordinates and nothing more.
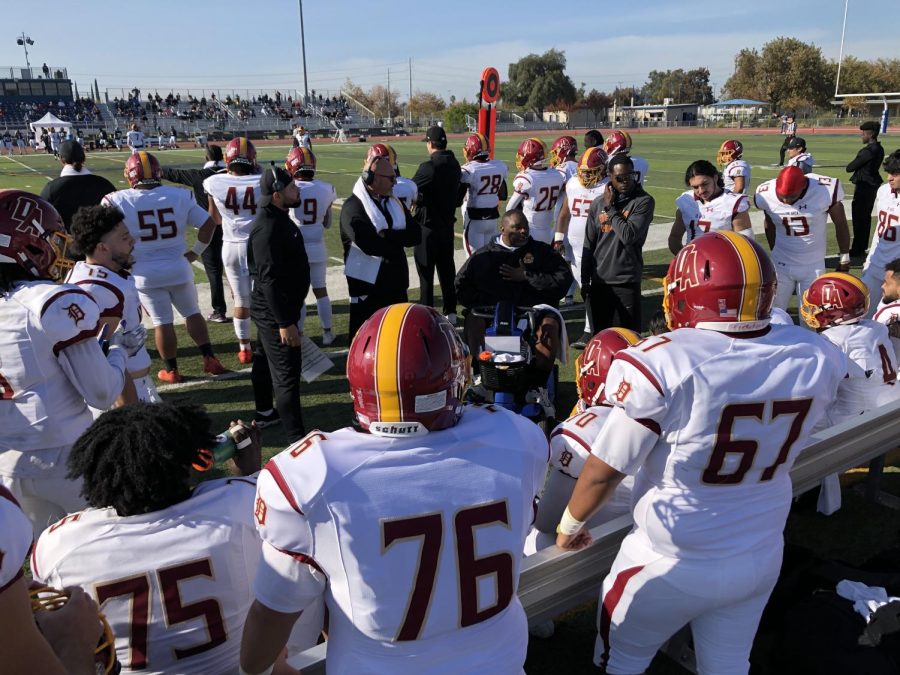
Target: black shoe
(263, 421)
(217, 317)
(581, 343)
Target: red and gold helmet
(729, 151)
(476, 147)
(32, 235)
(563, 149)
(300, 159)
(617, 141)
(142, 168)
(592, 365)
(531, 154)
(381, 150)
(240, 151)
(407, 370)
(721, 281)
(834, 298)
(592, 167)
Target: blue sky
(244, 45)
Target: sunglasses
(624, 178)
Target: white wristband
(199, 247)
(568, 524)
(267, 671)
(845, 258)
(559, 236)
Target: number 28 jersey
(484, 180)
(420, 538)
(157, 220)
(717, 483)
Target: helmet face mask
(592, 365)
(835, 298)
(729, 151)
(32, 235)
(531, 154)
(617, 141)
(592, 167)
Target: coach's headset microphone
(277, 185)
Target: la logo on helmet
(686, 269)
(831, 297)
(28, 216)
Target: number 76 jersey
(716, 483)
(420, 540)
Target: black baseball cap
(797, 142)
(71, 152)
(271, 175)
(435, 135)
(870, 126)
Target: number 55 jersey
(416, 542)
(731, 415)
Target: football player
(535, 189)
(888, 311)
(714, 446)
(99, 233)
(562, 157)
(405, 189)
(51, 365)
(796, 209)
(171, 566)
(619, 143)
(135, 139)
(233, 199)
(483, 186)
(156, 216)
(707, 207)
(313, 217)
(571, 440)
(885, 246)
(588, 183)
(418, 579)
(798, 156)
(735, 171)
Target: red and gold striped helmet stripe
(145, 165)
(387, 362)
(849, 278)
(751, 268)
(629, 336)
(243, 146)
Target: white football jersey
(567, 169)
(804, 158)
(484, 180)
(888, 313)
(801, 235)
(406, 191)
(579, 199)
(236, 198)
(641, 168)
(39, 406)
(540, 190)
(117, 296)
(885, 246)
(420, 578)
(135, 139)
(316, 198)
(867, 344)
(734, 169)
(157, 219)
(16, 536)
(175, 585)
(716, 483)
(716, 214)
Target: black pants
(276, 368)
(861, 212)
(362, 310)
(616, 305)
(436, 251)
(212, 263)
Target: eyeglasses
(625, 177)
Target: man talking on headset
(279, 274)
(376, 228)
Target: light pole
(303, 51)
(24, 41)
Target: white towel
(395, 208)
(866, 599)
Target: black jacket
(438, 183)
(865, 165)
(613, 253)
(390, 245)
(547, 276)
(279, 268)
(69, 193)
(193, 178)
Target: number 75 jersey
(716, 483)
(420, 540)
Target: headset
(368, 175)
(277, 185)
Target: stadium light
(23, 40)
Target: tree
(537, 81)
(695, 87)
(745, 82)
(455, 116)
(597, 102)
(424, 103)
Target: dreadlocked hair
(137, 458)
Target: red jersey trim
(628, 358)
(302, 558)
(282, 484)
(573, 435)
(610, 601)
(53, 297)
(117, 309)
(83, 335)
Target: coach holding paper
(375, 230)
(279, 275)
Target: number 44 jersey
(420, 540)
(731, 415)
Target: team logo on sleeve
(260, 511)
(565, 458)
(75, 313)
(622, 392)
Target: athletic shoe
(212, 366)
(217, 317)
(169, 376)
(245, 356)
(263, 421)
(581, 343)
(328, 338)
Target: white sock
(324, 307)
(302, 320)
(242, 328)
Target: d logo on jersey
(623, 391)
(686, 273)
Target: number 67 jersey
(416, 542)
(731, 414)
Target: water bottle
(226, 447)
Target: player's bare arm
(738, 185)
(842, 234)
(596, 484)
(213, 211)
(771, 231)
(204, 236)
(676, 234)
(265, 635)
(740, 222)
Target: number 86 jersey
(716, 482)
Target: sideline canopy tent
(46, 122)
